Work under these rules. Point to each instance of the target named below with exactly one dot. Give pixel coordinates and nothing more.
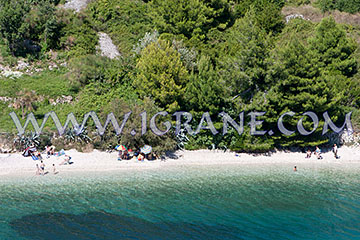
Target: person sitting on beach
(38, 155)
(119, 156)
(131, 153)
(308, 153)
(137, 152)
(52, 150)
(125, 155)
(335, 151)
(66, 160)
(141, 157)
(318, 153)
(151, 156)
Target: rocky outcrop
(107, 47)
(350, 138)
(61, 100)
(9, 73)
(76, 5)
(293, 16)
(6, 144)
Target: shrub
(76, 35)
(97, 69)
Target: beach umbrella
(146, 149)
(120, 148)
(28, 151)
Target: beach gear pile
(127, 154)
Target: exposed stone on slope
(77, 5)
(107, 47)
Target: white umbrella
(146, 149)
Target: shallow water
(194, 202)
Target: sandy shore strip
(16, 164)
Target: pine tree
(204, 91)
(161, 75)
(309, 77)
(243, 64)
(190, 19)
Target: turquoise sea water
(198, 202)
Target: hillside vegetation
(182, 55)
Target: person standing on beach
(37, 170)
(48, 151)
(335, 150)
(54, 169)
(295, 168)
(42, 167)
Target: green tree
(23, 22)
(268, 15)
(12, 25)
(334, 48)
(243, 63)
(190, 19)
(299, 87)
(309, 77)
(205, 91)
(350, 6)
(161, 75)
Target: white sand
(16, 164)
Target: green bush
(298, 2)
(77, 36)
(97, 69)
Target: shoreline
(97, 161)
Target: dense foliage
(190, 55)
(350, 6)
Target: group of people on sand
(317, 152)
(50, 151)
(40, 170)
(137, 154)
